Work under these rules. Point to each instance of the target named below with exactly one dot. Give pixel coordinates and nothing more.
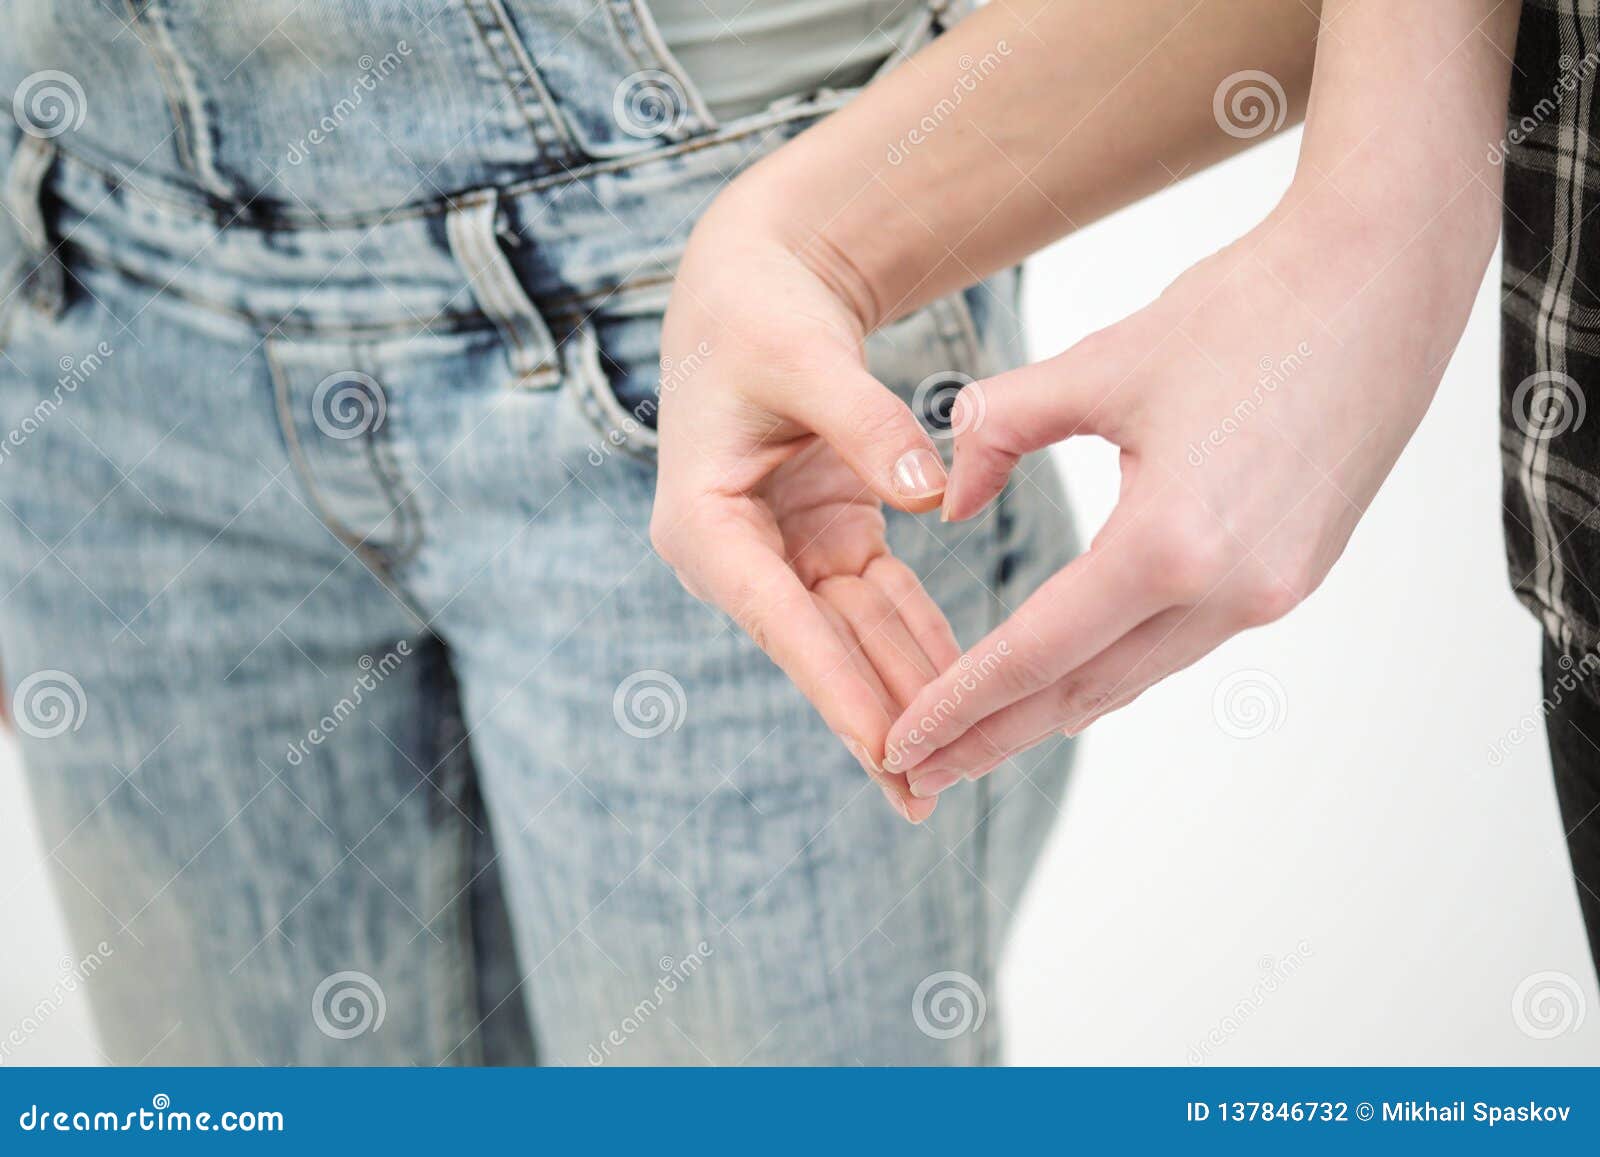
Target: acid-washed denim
(360, 720)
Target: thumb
(998, 420)
(877, 435)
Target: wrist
(1374, 226)
(769, 207)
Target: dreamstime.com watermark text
(373, 673)
(1275, 973)
(973, 73)
(74, 373)
(973, 672)
(674, 975)
(159, 1117)
(73, 974)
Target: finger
(885, 641)
(1159, 646)
(1000, 419)
(753, 584)
(872, 430)
(1076, 614)
(858, 613)
(1189, 644)
(859, 658)
(921, 615)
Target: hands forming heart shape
(777, 455)
(779, 451)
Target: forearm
(1029, 119)
(1408, 105)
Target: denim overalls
(361, 723)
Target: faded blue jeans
(361, 723)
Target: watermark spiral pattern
(1548, 404)
(348, 404)
(649, 703)
(49, 103)
(935, 399)
(348, 1004)
(1248, 704)
(1548, 1004)
(49, 703)
(650, 104)
(1250, 104)
(948, 1004)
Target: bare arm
(1029, 119)
(778, 452)
(1240, 490)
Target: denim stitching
(544, 120)
(183, 96)
(376, 560)
(166, 196)
(643, 41)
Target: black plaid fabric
(1550, 372)
(1550, 344)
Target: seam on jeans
(570, 307)
(371, 557)
(266, 324)
(599, 405)
(460, 1015)
(494, 286)
(644, 42)
(290, 218)
(184, 101)
(547, 125)
(22, 190)
(408, 519)
(11, 279)
(291, 438)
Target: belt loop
(45, 282)
(473, 229)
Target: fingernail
(861, 756)
(895, 801)
(919, 474)
(905, 758)
(934, 782)
(891, 758)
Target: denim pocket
(592, 382)
(614, 371)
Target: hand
(1258, 405)
(777, 451)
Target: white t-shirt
(745, 54)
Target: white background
(1368, 837)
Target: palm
(829, 525)
(758, 512)
(813, 517)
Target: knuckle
(744, 608)
(1186, 560)
(662, 538)
(874, 420)
(1267, 598)
(985, 749)
(1078, 697)
(1024, 671)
